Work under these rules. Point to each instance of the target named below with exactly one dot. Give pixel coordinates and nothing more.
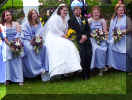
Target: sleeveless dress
(34, 64)
(99, 56)
(2, 64)
(117, 51)
(14, 68)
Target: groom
(80, 25)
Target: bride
(63, 55)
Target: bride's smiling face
(64, 11)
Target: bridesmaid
(99, 51)
(117, 51)
(34, 64)
(14, 68)
(2, 66)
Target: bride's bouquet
(99, 36)
(37, 43)
(71, 35)
(117, 35)
(16, 47)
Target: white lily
(119, 31)
(17, 43)
(38, 40)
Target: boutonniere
(84, 22)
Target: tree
(106, 1)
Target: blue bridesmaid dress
(117, 51)
(14, 68)
(2, 64)
(129, 53)
(34, 64)
(99, 55)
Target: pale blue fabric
(2, 67)
(129, 53)
(99, 55)
(14, 68)
(117, 51)
(34, 63)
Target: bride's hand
(64, 36)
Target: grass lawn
(111, 83)
(2, 91)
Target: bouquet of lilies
(37, 43)
(99, 36)
(117, 35)
(16, 47)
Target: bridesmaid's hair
(118, 5)
(30, 16)
(96, 8)
(60, 8)
(3, 21)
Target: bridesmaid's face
(8, 17)
(96, 14)
(120, 11)
(64, 11)
(34, 15)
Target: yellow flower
(41, 19)
(70, 32)
(84, 22)
(43, 23)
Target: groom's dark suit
(85, 47)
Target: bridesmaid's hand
(7, 42)
(0, 30)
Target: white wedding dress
(63, 55)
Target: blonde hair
(116, 8)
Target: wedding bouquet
(71, 34)
(37, 43)
(16, 47)
(117, 35)
(99, 36)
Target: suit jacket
(80, 29)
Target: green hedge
(16, 4)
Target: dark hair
(60, 8)
(3, 16)
(30, 16)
